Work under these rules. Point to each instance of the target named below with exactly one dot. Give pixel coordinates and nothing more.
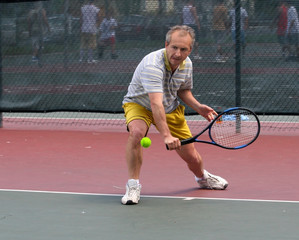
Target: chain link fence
(261, 74)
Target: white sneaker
(210, 181)
(132, 195)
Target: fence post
(238, 52)
(67, 24)
(1, 86)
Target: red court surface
(93, 161)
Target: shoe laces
(132, 191)
(212, 181)
(134, 187)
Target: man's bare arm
(160, 120)
(202, 109)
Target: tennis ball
(145, 142)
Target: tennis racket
(235, 128)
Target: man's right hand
(173, 143)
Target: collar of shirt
(167, 64)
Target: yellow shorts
(88, 40)
(176, 119)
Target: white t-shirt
(293, 16)
(107, 29)
(232, 15)
(188, 17)
(153, 74)
(89, 15)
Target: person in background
(220, 25)
(37, 22)
(107, 34)
(292, 33)
(90, 18)
(244, 26)
(281, 22)
(190, 18)
(160, 81)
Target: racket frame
(194, 138)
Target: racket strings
(235, 129)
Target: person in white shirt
(190, 18)
(90, 18)
(107, 34)
(293, 34)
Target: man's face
(178, 49)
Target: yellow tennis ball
(145, 142)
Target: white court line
(151, 196)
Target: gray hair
(185, 28)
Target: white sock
(202, 178)
(198, 179)
(137, 180)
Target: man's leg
(194, 161)
(101, 48)
(134, 151)
(137, 130)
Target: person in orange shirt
(220, 25)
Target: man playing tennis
(160, 79)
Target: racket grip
(187, 141)
(184, 142)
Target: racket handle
(187, 141)
(184, 142)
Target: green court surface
(29, 215)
